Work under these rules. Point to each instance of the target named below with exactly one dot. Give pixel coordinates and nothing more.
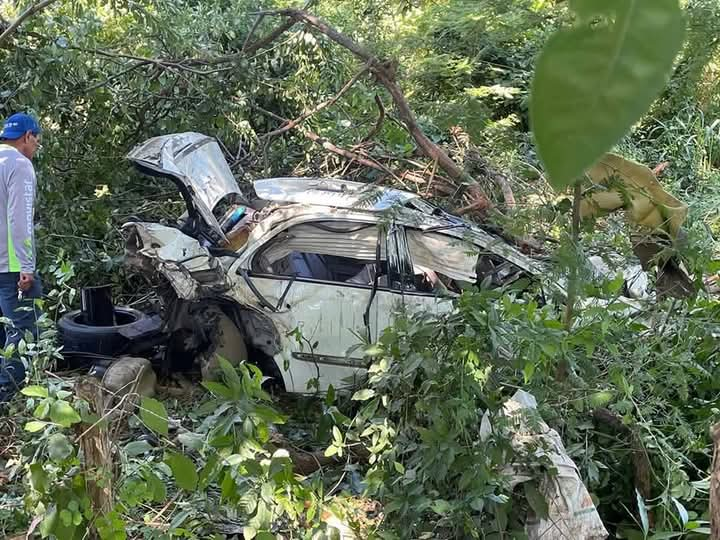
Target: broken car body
(314, 268)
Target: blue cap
(17, 125)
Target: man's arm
(21, 202)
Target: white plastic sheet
(572, 514)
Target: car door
(428, 270)
(407, 290)
(315, 282)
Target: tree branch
(251, 33)
(384, 72)
(327, 103)
(32, 10)
(259, 44)
(381, 118)
(330, 147)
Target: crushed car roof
(330, 192)
(333, 198)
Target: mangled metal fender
(189, 267)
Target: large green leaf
(183, 470)
(154, 415)
(61, 412)
(595, 79)
(34, 391)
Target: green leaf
(34, 391)
(528, 371)
(47, 526)
(363, 395)
(66, 517)
(154, 415)
(59, 447)
(35, 426)
(183, 470)
(441, 507)
(43, 408)
(191, 440)
(536, 500)
(592, 83)
(61, 412)
(684, 517)
(137, 448)
(156, 486)
(38, 478)
(218, 389)
(232, 377)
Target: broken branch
(384, 72)
(32, 10)
(252, 32)
(327, 145)
(327, 103)
(381, 118)
(259, 44)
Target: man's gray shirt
(17, 201)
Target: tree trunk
(96, 447)
(715, 485)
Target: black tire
(78, 338)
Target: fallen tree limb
(378, 124)
(32, 10)
(330, 147)
(327, 103)
(385, 74)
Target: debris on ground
(571, 512)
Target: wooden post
(715, 485)
(94, 440)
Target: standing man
(19, 285)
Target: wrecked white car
(295, 278)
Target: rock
(128, 376)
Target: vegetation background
(104, 76)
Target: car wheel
(79, 337)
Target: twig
(385, 73)
(378, 124)
(255, 47)
(252, 32)
(327, 145)
(506, 188)
(432, 177)
(572, 281)
(32, 10)
(325, 104)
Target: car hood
(193, 161)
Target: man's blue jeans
(23, 314)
